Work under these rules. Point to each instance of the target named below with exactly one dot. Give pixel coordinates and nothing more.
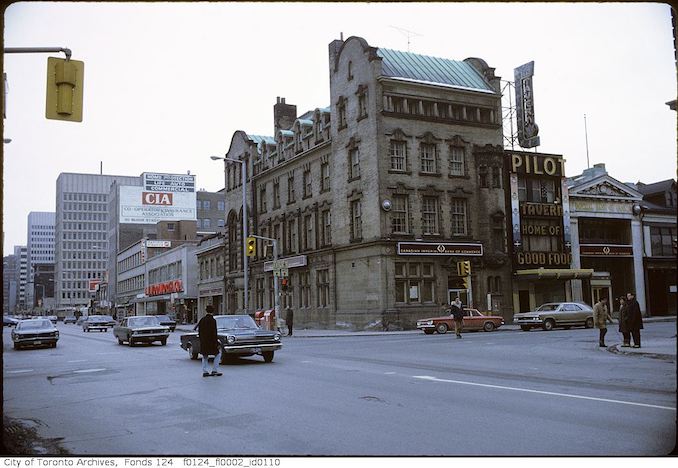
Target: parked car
(556, 314)
(8, 321)
(141, 329)
(238, 336)
(53, 318)
(473, 320)
(70, 319)
(167, 321)
(35, 332)
(110, 320)
(95, 322)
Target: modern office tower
(40, 246)
(81, 240)
(8, 284)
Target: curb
(615, 350)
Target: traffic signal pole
(276, 279)
(38, 50)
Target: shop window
(415, 283)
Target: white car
(556, 314)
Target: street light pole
(243, 165)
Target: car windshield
(235, 322)
(97, 319)
(108, 318)
(34, 324)
(547, 307)
(142, 321)
(163, 317)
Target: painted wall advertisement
(162, 197)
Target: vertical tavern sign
(162, 197)
(527, 128)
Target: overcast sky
(167, 84)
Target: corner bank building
(376, 197)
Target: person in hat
(601, 315)
(635, 318)
(209, 343)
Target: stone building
(375, 198)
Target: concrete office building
(40, 246)
(81, 235)
(375, 198)
(8, 284)
(21, 276)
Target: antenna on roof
(586, 135)
(407, 33)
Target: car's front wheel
(549, 324)
(488, 327)
(17, 346)
(130, 341)
(163, 342)
(441, 328)
(589, 322)
(120, 341)
(525, 327)
(428, 331)
(268, 356)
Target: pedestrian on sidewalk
(635, 318)
(456, 309)
(624, 322)
(601, 315)
(289, 320)
(209, 343)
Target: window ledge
(430, 174)
(396, 171)
(306, 197)
(351, 179)
(324, 190)
(454, 176)
(361, 117)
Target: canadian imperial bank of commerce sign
(440, 248)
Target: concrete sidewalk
(664, 348)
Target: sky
(167, 84)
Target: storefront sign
(167, 287)
(541, 209)
(537, 164)
(605, 250)
(158, 243)
(540, 230)
(439, 248)
(527, 127)
(549, 259)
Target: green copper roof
(398, 64)
(259, 138)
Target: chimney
(284, 115)
(334, 47)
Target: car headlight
(277, 337)
(230, 339)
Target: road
(499, 393)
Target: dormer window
(341, 112)
(350, 71)
(362, 102)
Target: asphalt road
(500, 393)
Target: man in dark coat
(457, 312)
(289, 320)
(209, 343)
(635, 318)
(624, 322)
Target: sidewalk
(664, 348)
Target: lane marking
(527, 390)
(20, 371)
(83, 371)
(389, 373)
(78, 360)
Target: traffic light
(283, 284)
(65, 79)
(464, 268)
(466, 280)
(251, 246)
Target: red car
(473, 320)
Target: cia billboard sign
(162, 197)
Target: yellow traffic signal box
(464, 268)
(251, 246)
(65, 79)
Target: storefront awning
(554, 274)
(161, 297)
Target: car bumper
(426, 327)
(103, 327)
(527, 321)
(251, 349)
(150, 337)
(36, 341)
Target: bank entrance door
(452, 294)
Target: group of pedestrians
(630, 320)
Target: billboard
(528, 130)
(162, 197)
